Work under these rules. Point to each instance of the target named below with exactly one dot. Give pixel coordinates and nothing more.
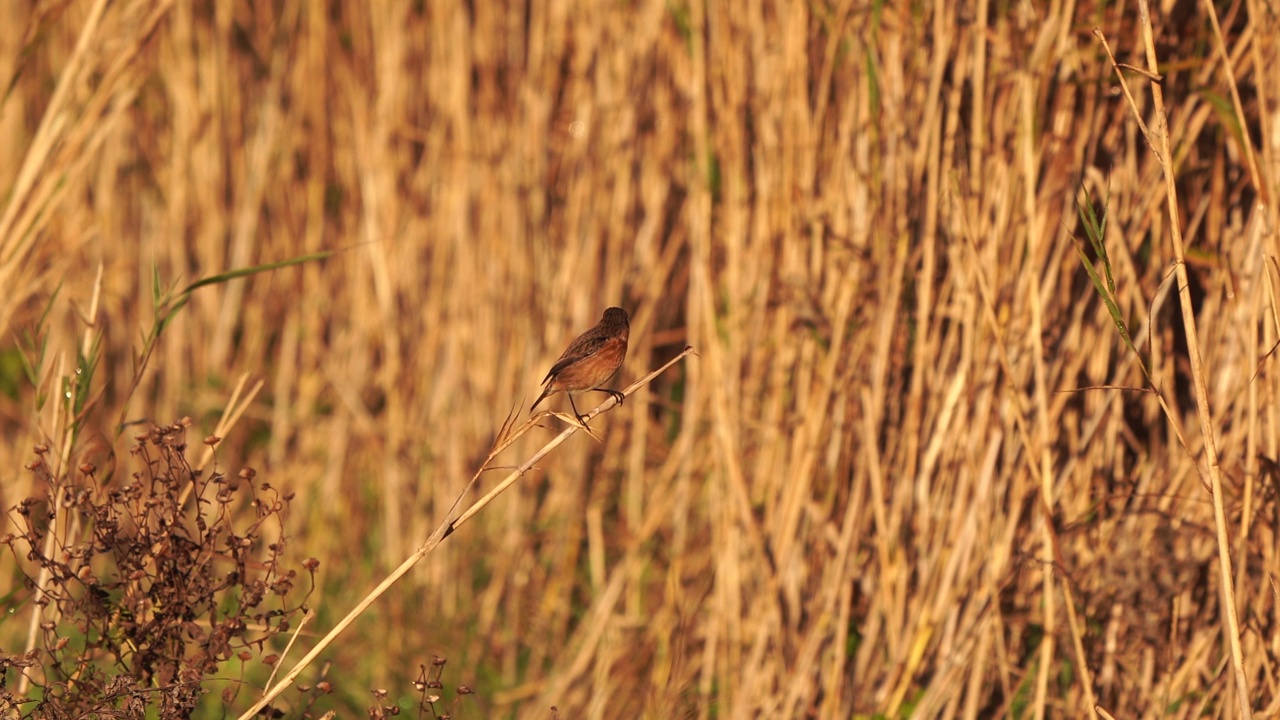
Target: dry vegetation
(913, 471)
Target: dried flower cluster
(144, 588)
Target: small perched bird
(590, 360)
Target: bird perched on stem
(590, 361)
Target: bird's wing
(580, 348)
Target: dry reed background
(861, 215)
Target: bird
(589, 361)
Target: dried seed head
(96, 456)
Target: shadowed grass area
(968, 368)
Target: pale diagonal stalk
(448, 526)
(1158, 140)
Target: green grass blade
(256, 269)
(1095, 229)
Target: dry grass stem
(506, 437)
(344, 239)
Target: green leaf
(256, 269)
(1095, 228)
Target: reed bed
(914, 470)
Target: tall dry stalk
(915, 471)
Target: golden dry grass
(874, 492)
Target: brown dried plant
(430, 688)
(146, 595)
